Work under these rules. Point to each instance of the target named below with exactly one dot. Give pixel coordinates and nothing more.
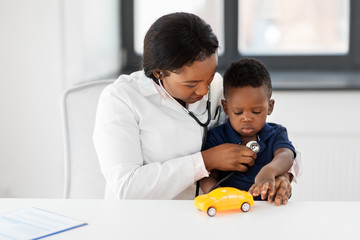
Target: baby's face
(247, 108)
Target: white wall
(30, 83)
(46, 46)
(91, 39)
(324, 127)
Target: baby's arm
(265, 179)
(207, 183)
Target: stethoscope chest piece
(254, 146)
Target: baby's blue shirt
(272, 137)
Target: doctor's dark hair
(247, 72)
(176, 40)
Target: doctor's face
(191, 83)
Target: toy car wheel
(211, 211)
(245, 207)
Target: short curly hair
(247, 72)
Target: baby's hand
(264, 184)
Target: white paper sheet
(34, 223)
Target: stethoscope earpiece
(254, 146)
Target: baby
(247, 92)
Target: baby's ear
(224, 104)
(271, 106)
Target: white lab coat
(147, 145)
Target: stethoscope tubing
(208, 109)
(205, 126)
(191, 114)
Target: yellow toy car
(224, 198)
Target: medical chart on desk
(34, 223)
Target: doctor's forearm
(151, 181)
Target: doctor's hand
(229, 157)
(283, 190)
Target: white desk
(142, 219)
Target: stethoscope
(202, 124)
(191, 114)
(253, 145)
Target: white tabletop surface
(175, 219)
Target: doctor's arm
(118, 146)
(265, 184)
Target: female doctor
(150, 124)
